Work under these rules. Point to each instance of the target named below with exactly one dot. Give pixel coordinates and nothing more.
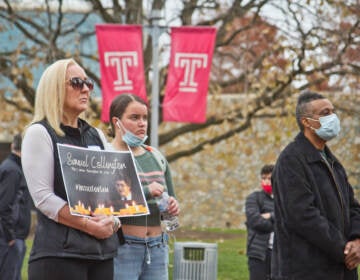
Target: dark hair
(122, 177)
(267, 169)
(303, 108)
(119, 105)
(16, 143)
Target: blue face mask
(130, 138)
(330, 127)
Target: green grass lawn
(232, 261)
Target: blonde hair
(50, 94)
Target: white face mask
(130, 138)
(330, 127)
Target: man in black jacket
(317, 226)
(14, 213)
(259, 208)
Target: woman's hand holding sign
(102, 226)
(99, 226)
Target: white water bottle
(170, 222)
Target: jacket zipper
(338, 191)
(331, 168)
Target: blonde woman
(65, 246)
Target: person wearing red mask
(259, 208)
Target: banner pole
(155, 32)
(154, 138)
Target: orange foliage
(245, 49)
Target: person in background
(259, 208)
(144, 252)
(317, 225)
(15, 213)
(65, 246)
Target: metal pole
(154, 138)
(155, 34)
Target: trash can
(195, 261)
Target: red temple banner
(121, 62)
(188, 76)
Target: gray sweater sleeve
(37, 157)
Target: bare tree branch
(253, 55)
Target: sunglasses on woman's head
(78, 83)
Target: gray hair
(303, 107)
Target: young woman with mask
(143, 253)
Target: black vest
(56, 240)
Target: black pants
(258, 269)
(70, 269)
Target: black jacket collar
(310, 152)
(75, 131)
